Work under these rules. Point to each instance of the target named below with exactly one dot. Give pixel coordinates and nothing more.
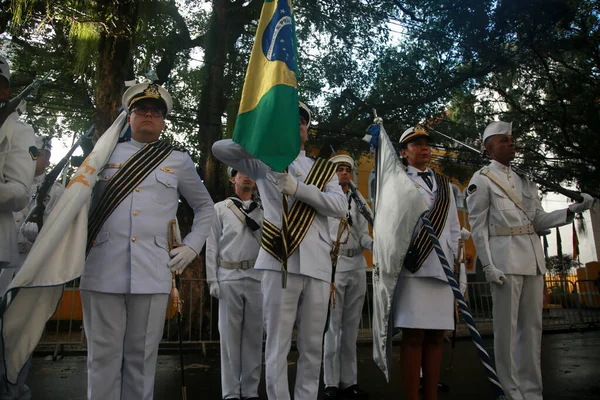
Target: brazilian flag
(268, 122)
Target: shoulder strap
(421, 245)
(131, 174)
(509, 193)
(301, 215)
(242, 217)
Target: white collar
(410, 170)
(500, 167)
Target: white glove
(465, 234)
(586, 204)
(463, 278)
(30, 231)
(286, 183)
(214, 290)
(181, 257)
(494, 275)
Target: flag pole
(284, 239)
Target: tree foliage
(455, 65)
(562, 265)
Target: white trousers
(517, 309)
(304, 301)
(241, 331)
(123, 332)
(9, 391)
(339, 354)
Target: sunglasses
(142, 110)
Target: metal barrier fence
(569, 305)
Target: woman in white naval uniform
(231, 251)
(127, 277)
(340, 367)
(304, 301)
(423, 302)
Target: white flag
(398, 207)
(57, 257)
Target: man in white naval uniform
(231, 251)
(304, 301)
(27, 232)
(17, 168)
(423, 305)
(339, 353)
(505, 214)
(127, 277)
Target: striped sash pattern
(299, 217)
(129, 176)
(422, 246)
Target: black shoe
(331, 392)
(353, 392)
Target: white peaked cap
(146, 90)
(342, 159)
(497, 128)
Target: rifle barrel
(541, 181)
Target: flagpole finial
(377, 120)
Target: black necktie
(426, 176)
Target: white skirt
(423, 303)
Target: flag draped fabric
(57, 257)
(398, 207)
(268, 122)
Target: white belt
(512, 230)
(350, 252)
(246, 264)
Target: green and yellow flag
(268, 122)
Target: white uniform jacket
(130, 252)
(489, 207)
(312, 256)
(358, 240)
(232, 241)
(17, 169)
(50, 201)
(432, 268)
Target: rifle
(37, 214)
(541, 181)
(363, 207)
(12, 105)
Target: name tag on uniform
(167, 170)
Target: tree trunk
(115, 61)
(212, 101)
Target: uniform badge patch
(34, 152)
(167, 170)
(471, 189)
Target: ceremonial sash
(421, 246)
(300, 217)
(128, 177)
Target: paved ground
(570, 363)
